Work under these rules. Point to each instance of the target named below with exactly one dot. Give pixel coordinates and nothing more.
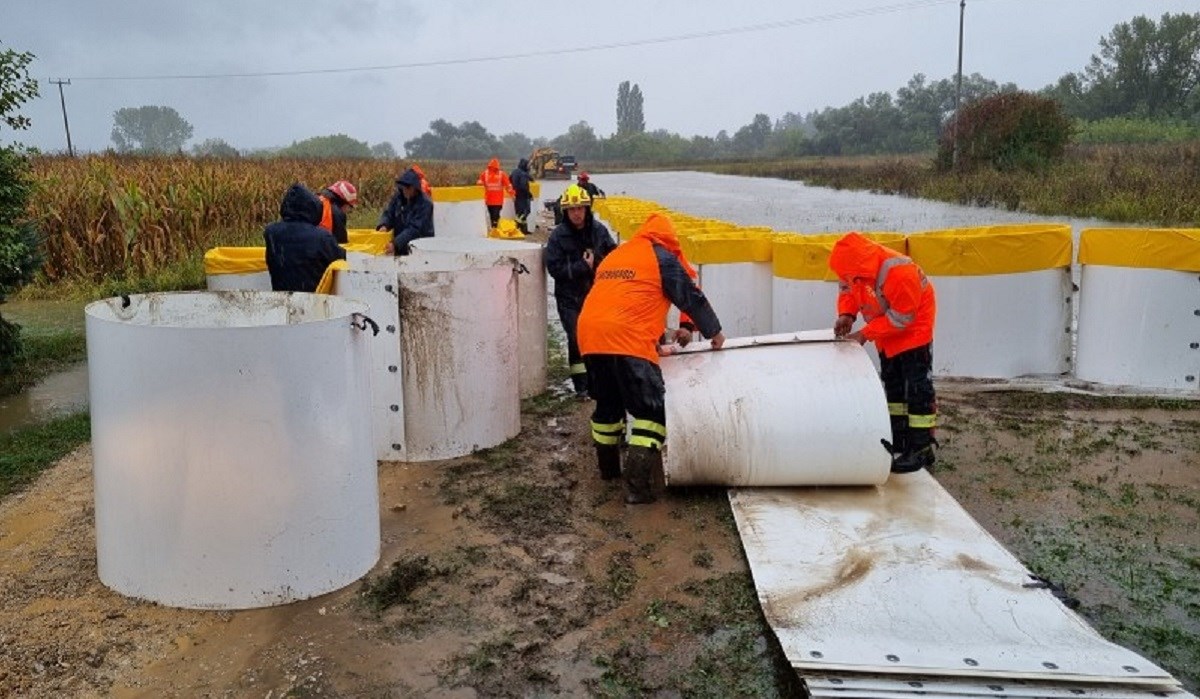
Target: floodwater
(748, 201)
(60, 393)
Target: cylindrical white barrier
(735, 273)
(1003, 299)
(531, 296)
(807, 411)
(232, 449)
(458, 212)
(1139, 308)
(458, 339)
(230, 268)
(804, 290)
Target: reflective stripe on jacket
(495, 184)
(891, 292)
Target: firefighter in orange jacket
(495, 185)
(336, 202)
(899, 306)
(622, 321)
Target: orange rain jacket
(495, 184)
(626, 310)
(890, 290)
(424, 182)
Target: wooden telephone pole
(63, 101)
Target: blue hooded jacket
(298, 250)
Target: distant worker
(336, 201)
(495, 185)
(409, 215)
(298, 250)
(899, 306)
(590, 187)
(520, 183)
(620, 327)
(576, 246)
(424, 181)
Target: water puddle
(59, 394)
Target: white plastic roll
(793, 409)
(232, 447)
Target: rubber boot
(919, 453)
(580, 383)
(899, 443)
(638, 464)
(608, 457)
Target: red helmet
(345, 191)
(583, 177)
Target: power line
(766, 26)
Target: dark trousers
(521, 209)
(494, 213)
(568, 314)
(620, 384)
(908, 384)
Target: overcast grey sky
(810, 55)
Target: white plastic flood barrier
(1139, 308)
(531, 296)
(1003, 297)
(229, 268)
(232, 446)
(785, 409)
(735, 273)
(804, 290)
(458, 212)
(459, 343)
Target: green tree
(384, 150)
(445, 141)
(149, 130)
(335, 146)
(630, 119)
(214, 148)
(20, 254)
(752, 138)
(579, 140)
(1008, 131)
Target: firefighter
(298, 250)
(590, 187)
(520, 180)
(336, 201)
(495, 185)
(619, 330)
(899, 306)
(576, 246)
(409, 215)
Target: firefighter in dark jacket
(299, 250)
(576, 247)
(409, 215)
(520, 180)
(620, 327)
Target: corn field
(109, 216)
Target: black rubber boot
(899, 443)
(919, 453)
(608, 457)
(580, 383)
(638, 464)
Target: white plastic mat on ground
(899, 580)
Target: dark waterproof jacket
(564, 257)
(520, 180)
(298, 250)
(413, 218)
(591, 188)
(339, 216)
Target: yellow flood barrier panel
(984, 250)
(1175, 249)
(234, 260)
(806, 257)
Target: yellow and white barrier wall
(231, 268)
(459, 212)
(1003, 295)
(735, 273)
(1139, 308)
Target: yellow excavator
(547, 164)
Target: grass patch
(397, 585)
(42, 355)
(27, 452)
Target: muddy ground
(517, 572)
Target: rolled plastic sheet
(231, 444)
(1139, 308)
(785, 409)
(229, 268)
(1003, 296)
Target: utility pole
(962, 9)
(63, 101)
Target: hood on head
(410, 178)
(855, 256)
(494, 164)
(299, 204)
(523, 164)
(659, 229)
